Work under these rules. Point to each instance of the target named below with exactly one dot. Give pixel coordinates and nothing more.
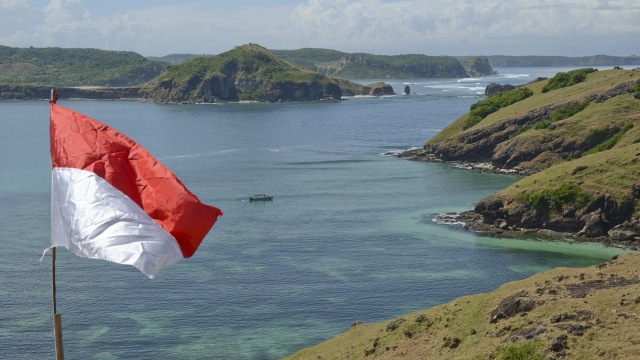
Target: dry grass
(596, 307)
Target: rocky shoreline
(424, 154)
(472, 221)
(491, 218)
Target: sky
(384, 27)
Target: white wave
(283, 149)
(397, 152)
(469, 79)
(448, 219)
(196, 155)
(515, 76)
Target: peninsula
(576, 136)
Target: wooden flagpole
(57, 318)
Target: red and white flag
(112, 200)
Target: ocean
(349, 236)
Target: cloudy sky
(432, 27)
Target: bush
(557, 115)
(569, 111)
(553, 200)
(603, 141)
(528, 351)
(564, 79)
(493, 103)
(636, 91)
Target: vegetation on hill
(558, 61)
(308, 57)
(246, 73)
(483, 108)
(564, 79)
(572, 313)
(75, 67)
(369, 66)
(175, 59)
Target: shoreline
(422, 154)
(471, 220)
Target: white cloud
(452, 26)
(434, 27)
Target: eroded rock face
(511, 306)
(494, 88)
(603, 217)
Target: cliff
(578, 137)
(246, 73)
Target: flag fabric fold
(112, 200)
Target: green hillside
(75, 67)
(308, 57)
(577, 134)
(247, 73)
(370, 66)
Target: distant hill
(75, 67)
(175, 59)
(559, 61)
(249, 73)
(369, 66)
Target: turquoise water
(349, 235)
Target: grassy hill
(577, 134)
(572, 313)
(248, 73)
(75, 67)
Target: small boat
(261, 197)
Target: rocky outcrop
(604, 219)
(481, 67)
(494, 88)
(379, 89)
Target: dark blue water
(349, 235)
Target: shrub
(569, 111)
(493, 103)
(636, 91)
(605, 142)
(564, 79)
(528, 351)
(553, 200)
(557, 115)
